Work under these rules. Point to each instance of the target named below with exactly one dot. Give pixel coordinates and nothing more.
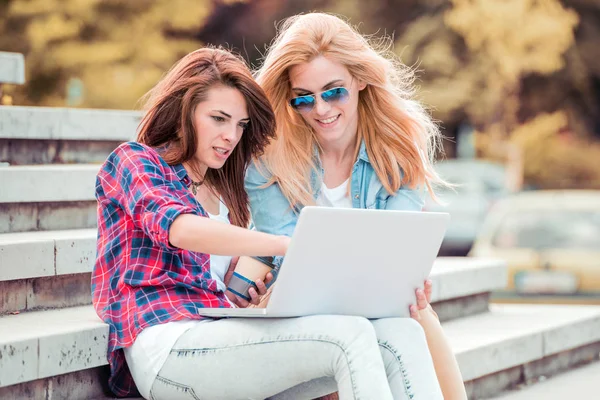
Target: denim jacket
(272, 213)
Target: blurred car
(550, 240)
(479, 184)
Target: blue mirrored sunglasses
(307, 103)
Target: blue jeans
(300, 358)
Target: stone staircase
(53, 346)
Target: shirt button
(356, 196)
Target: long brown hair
(168, 122)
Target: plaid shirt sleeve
(133, 178)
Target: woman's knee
(411, 327)
(406, 330)
(349, 327)
(350, 333)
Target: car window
(548, 230)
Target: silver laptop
(352, 262)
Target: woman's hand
(422, 310)
(255, 297)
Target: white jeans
(300, 358)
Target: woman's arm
(195, 233)
(444, 362)
(140, 182)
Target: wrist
(277, 245)
(283, 243)
(428, 315)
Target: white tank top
(337, 197)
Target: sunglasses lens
(335, 95)
(303, 103)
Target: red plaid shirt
(139, 279)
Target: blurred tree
(248, 27)
(575, 88)
(117, 48)
(478, 56)
(509, 39)
(446, 80)
(475, 54)
(555, 158)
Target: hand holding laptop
(423, 310)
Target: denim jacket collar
(362, 152)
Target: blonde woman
(348, 134)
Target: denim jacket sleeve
(271, 212)
(406, 199)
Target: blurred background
(515, 85)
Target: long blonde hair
(400, 136)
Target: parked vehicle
(550, 240)
(479, 184)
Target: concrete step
(46, 269)
(52, 269)
(47, 344)
(47, 197)
(495, 350)
(45, 135)
(462, 285)
(579, 383)
(12, 68)
(513, 344)
(27, 217)
(48, 183)
(47, 253)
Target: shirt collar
(182, 174)
(362, 152)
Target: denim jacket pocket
(381, 202)
(378, 203)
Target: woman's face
(220, 121)
(336, 120)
